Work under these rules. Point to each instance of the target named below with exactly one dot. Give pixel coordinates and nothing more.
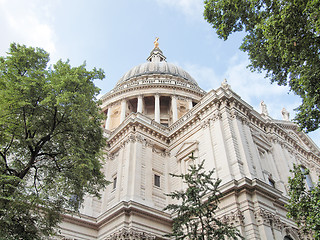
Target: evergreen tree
(194, 214)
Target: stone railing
(154, 81)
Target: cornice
(123, 208)
(134, 208)
(253, 186)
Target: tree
(50, 141)
(195, 212)
(282, 38)
(304, 204)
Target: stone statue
(285, 114)
(263, 107)
(225, 84)
(156, 44)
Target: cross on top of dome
(156, 54)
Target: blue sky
(118, 35)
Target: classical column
(108, 119)
(190, 104)
(123, 110)
(140, 104)
(174, 108)
(157, 108)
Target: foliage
(50, 141)
(282, 38)
(195, 212)
(304, 204)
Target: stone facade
(157, 115)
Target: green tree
(194, 214)
(282, 38)
(50, 141)
(304, 204)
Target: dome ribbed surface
(150, 68)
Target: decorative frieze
(130, 234)
(268, 218)
(233, 218)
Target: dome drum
(159, 90)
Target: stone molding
(130, 234)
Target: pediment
(261, 140)
(186, 149)
(304, 140)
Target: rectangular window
(308, 178)
(114, 182)
(157, 180)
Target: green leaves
(304, 204)
(51, 140)
(194, 214)
(283, 39)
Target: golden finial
(156, 44)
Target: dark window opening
(287, 238)
(157, 180)
(114, 183)
(271, 182)
(308, 178)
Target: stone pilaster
(140, 104)
(157, 108)
(123, 110)
(107, 126)
(174, 108)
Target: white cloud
(206, 77)
(26, 22)
(191, 8)
(252, 87)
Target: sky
(118, 35)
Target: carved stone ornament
(206, 123)
(225, 84)
(268, 218)
(233, 218)
(263, 107)
(130, 234)
(113, 155)
(159, 151)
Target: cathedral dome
(157, 64)
(159, 90)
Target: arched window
(287, 238)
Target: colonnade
(140, 107)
